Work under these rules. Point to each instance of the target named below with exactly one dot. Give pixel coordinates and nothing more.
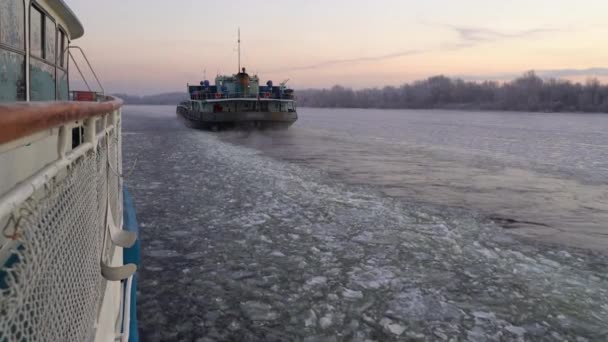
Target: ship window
(66, 44)
(12, 76)
(12, 24)
(62, 45)
(36, 33)
(50, 35)
(12, 51)
(42, 81)
(62, 85)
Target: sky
(144, 47)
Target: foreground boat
(68, 248)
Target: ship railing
(61, 207)
(219, 96)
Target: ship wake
(240, 246)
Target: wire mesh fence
(53, 243)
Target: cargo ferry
(68, 244)
(238, 100)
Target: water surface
(346, 228)
(542, 175)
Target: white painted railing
(60, 222)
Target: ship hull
(220, 120)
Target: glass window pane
(12, 76)
(61, 48)
(42, 81)
(36, 33)
(66, 44)
(50, 33)
(12, 23)
(62, 85)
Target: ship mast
(239, 40)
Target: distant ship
(238, 100)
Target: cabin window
(36, 33)
(12, 24)
(62, 66)
(12, 51)
(62, 85)
(63, 44)
(43, 49)
(12, 76)
(42, 81)
(50, 33)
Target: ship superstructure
(238, 100)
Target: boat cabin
(239, 93)
(238, 86)
(34, 40)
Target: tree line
(159, 99)
(526, 93)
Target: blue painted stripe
(131, 256)
(12, 260)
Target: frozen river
(372, 225)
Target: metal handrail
(219, 96)
(88, 63)
(79, 71)
(21, 119)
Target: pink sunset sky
(146, 47)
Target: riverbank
(527, 93)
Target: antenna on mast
(239, 70)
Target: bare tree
(526, 93)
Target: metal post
(62, 141)
(89, 132)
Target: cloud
(482, 35)
(353, 60)
(468, 37)
(377, 58)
